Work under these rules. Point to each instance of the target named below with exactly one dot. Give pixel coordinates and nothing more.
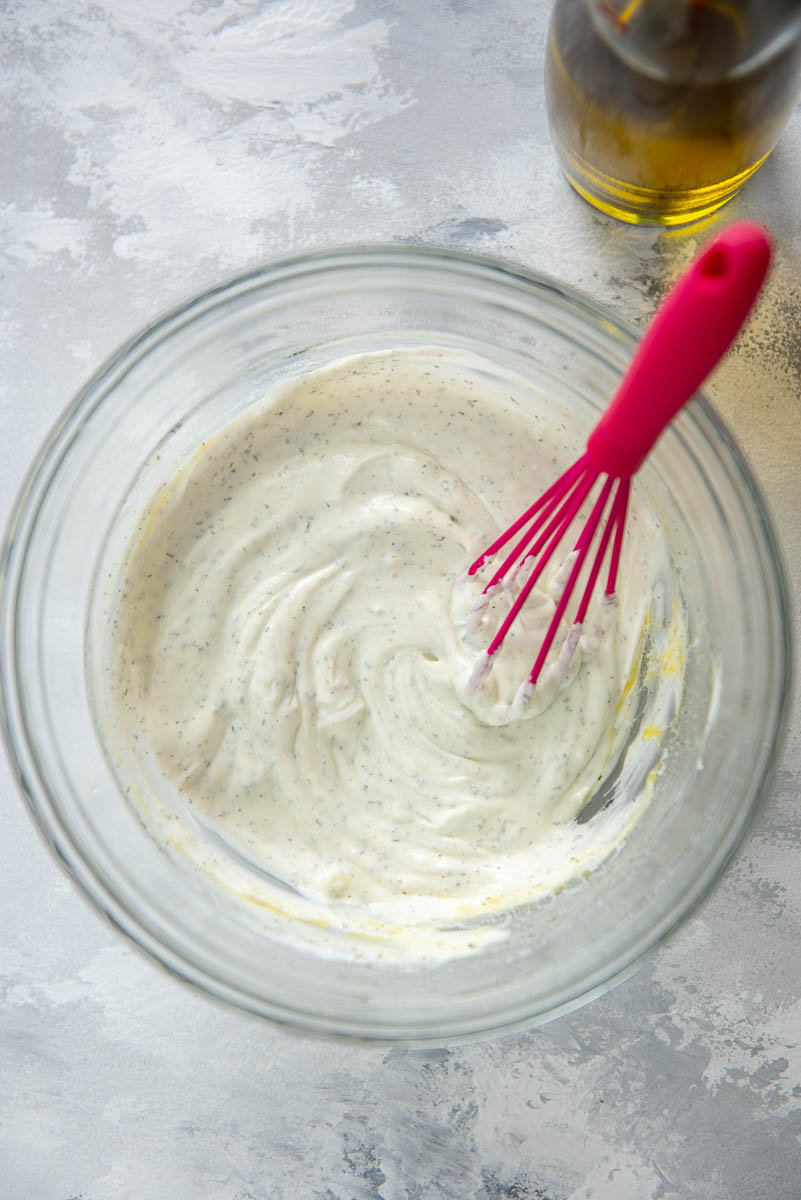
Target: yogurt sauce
(291, 648)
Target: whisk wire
(621, 504)
(616, 515)
(581, 551)
(567, 515)
(559, 501)
(589, 474)
(552, 494)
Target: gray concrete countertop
(152, 147)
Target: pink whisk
(692, 329)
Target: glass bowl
(143, 414)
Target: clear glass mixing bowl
(141, 416)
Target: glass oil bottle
(660, 110)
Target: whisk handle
(691, 331)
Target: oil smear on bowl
(286, 670)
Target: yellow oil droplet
(671, 660)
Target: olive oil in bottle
(661, 109)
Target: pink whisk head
(551, 517)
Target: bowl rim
(22, 519)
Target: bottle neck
(699, 41)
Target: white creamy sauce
(292, 646)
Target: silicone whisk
(691, 331)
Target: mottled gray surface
(153, 146)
